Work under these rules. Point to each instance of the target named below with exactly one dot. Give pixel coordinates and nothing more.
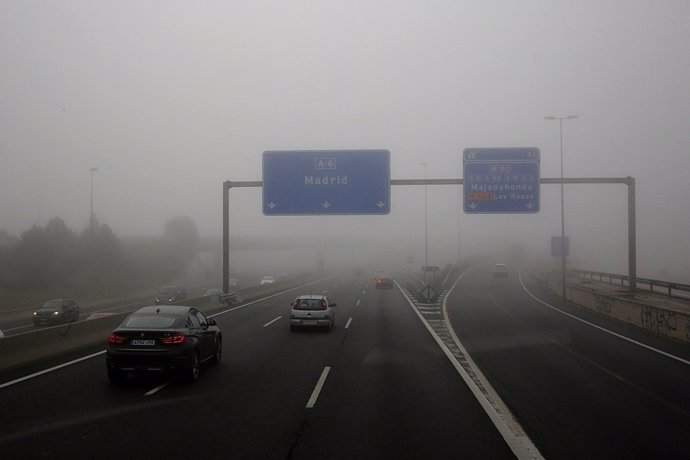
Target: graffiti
(659, 321)
(603, 303)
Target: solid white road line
(358, 302)
(348, 322)
(661, 352)
(54, 368)
(158, 388)
(272, 321)
(319, 386)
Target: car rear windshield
(309, 304)
(150, 321)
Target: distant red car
(384, 282)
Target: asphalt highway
(577, 390)
(377, 386)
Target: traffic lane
(557, 389)
(658, 376)
(392, 393)
(267, 373)
(658, 341)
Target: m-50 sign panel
(326, 182)
(501, 180)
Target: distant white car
(2, 334)
(500, 270)
(267, 280)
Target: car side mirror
(212, 322)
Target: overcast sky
(170, 98)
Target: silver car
(312, 311)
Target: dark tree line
(55, 258)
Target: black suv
(165, 338)
(57, 311)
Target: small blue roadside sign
(501, 180)
(560, 246)
(326, 182)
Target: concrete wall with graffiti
(654, 318)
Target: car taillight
(323, 305)
(116, 339)
(173, 339)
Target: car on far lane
(163, 339)
(313, 310)
(56, 311)
(500, 270)
(267, 280)
(170, 294)
(384, 281)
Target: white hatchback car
(312, 311)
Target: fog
(168, 99)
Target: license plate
(143, 342)
(309, 321)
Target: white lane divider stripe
(358, 302)
(272, 321)
(348, 322)
(319, 386)
(158, 388)
(364, 292)
(51, 369)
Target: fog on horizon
(168, 99)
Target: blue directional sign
(501, 180)
(326, 182)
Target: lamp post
(426, 222)
(563, 255)
(91, 215)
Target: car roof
(311, 296)
(177, 310)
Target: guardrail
(674, 290)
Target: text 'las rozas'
(325, 180)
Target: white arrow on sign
(272, 205)
(326, 204)
(380, 204)
(530, 205)
(472, 206)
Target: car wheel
(217, 353)
(192, 374)
(116, 375)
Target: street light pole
(426, 223)
(91, 218)
(563, 247)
